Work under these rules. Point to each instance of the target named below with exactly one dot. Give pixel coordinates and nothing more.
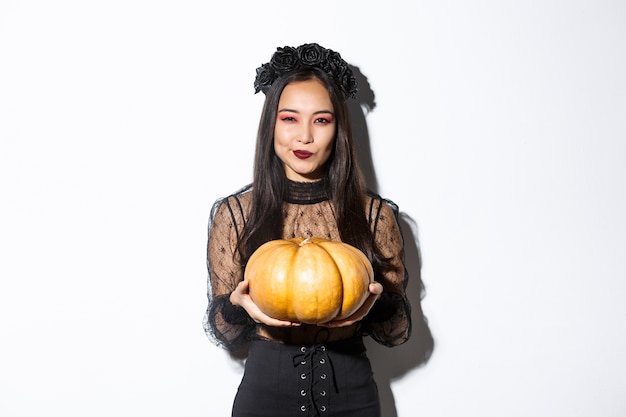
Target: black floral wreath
(288, 58)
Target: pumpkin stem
(305, 241)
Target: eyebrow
(316, 112)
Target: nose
(306, 136)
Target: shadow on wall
(390, 364)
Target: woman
(306, 183)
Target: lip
(302, 154)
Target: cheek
(280, 148)
(329, 144)
(280, 137)
(328, 150)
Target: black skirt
(333, 379)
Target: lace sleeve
(389, 321)
(228, 326)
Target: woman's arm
(227, 325)
(389, 320)
(231, 316)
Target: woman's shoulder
(375, 203)
(236, 204)
(242, 194)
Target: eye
(286, 116)
(323, 120)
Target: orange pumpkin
(310, 280)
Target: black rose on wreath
(265, 76)
(285, 59)
(312, 54)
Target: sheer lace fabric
(307, 213)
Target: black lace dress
(304, 364)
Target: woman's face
(305, 130)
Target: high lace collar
(306, 192)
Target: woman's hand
(376, 289)
(241, 297)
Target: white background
(499, 130)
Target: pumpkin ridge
(261, 250)
(267, 278)
(364, 261)
(337, 249)
(316, 257)
(289, 285)
(353, 283)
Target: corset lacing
(316, 374)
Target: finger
(376, 288)
(260, 317)
(270, 321)
(281, 323)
